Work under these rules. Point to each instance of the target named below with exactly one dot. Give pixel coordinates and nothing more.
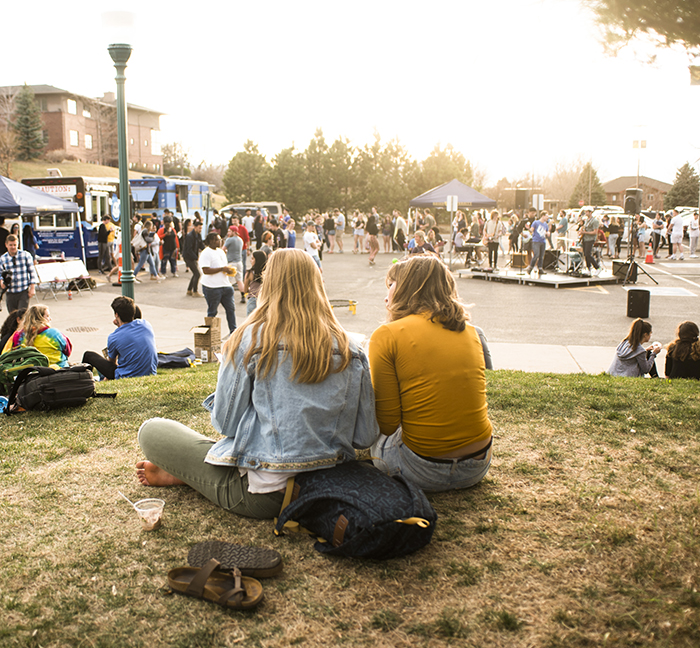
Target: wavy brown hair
(425, 285)
(686, 342)
(294, 312)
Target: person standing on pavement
(104, 263)
(215, 283)
(676, 237)
(372, 231)
(693, 233)
(539, 229)
(233, 246)
(190, 253)
(169, 247)
(20, 265)
(339, 229)
(657, 228)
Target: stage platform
(551, 279)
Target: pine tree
(28, 126)
(684, 191)
(588, 189)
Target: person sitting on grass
(36, 331)
(429, 376)
(131, 349)
(683, 354)
(10, 325)
(631, 358)
(294, 394)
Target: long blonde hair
(293, 311)
(33, 322)
(425, 285)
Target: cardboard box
(207, 339)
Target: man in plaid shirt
(24, 278)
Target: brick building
(653, 191)
(86, 128)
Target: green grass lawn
(584, 533)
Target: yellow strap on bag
(421, 522)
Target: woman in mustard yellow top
(429, 378)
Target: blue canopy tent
(467, 197)
(18, 199)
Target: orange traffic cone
(650, 255)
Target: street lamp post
(120, 53)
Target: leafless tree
(560, 183)
(7, 106)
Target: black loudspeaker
(519, 260)
(522, 198)
(620, 271)
(638, 303)
(633, 201)
(551, 259)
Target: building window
(145, 143)
(87, 113)
(155, 142)
(72, 107)
(614, 197)
(43, 104)
(73, 138)
(650, 197)
(131, 141)
(88, 141)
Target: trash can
(638, 303)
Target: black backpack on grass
(44, 388)
(356, 510)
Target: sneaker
(175, 274)
(693, 256)
(197, 294)
(189, 293)
(681, 258)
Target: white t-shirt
(214, 259)
(247, 222)
(311, 237)
(677, 226)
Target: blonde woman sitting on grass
(36, 331)
(294, 394)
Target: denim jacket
(279, 425)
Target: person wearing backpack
(294, 395)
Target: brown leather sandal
(229, 590)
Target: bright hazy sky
(515, 85)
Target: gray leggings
(180, 451)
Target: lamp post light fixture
(120, 53)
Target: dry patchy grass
(585, 532)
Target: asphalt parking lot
(528, 327)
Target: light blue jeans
(144, 257)
(392, 456)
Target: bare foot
(150, 475)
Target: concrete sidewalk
(87, 320)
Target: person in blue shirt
(539, 229)
(131, 349)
